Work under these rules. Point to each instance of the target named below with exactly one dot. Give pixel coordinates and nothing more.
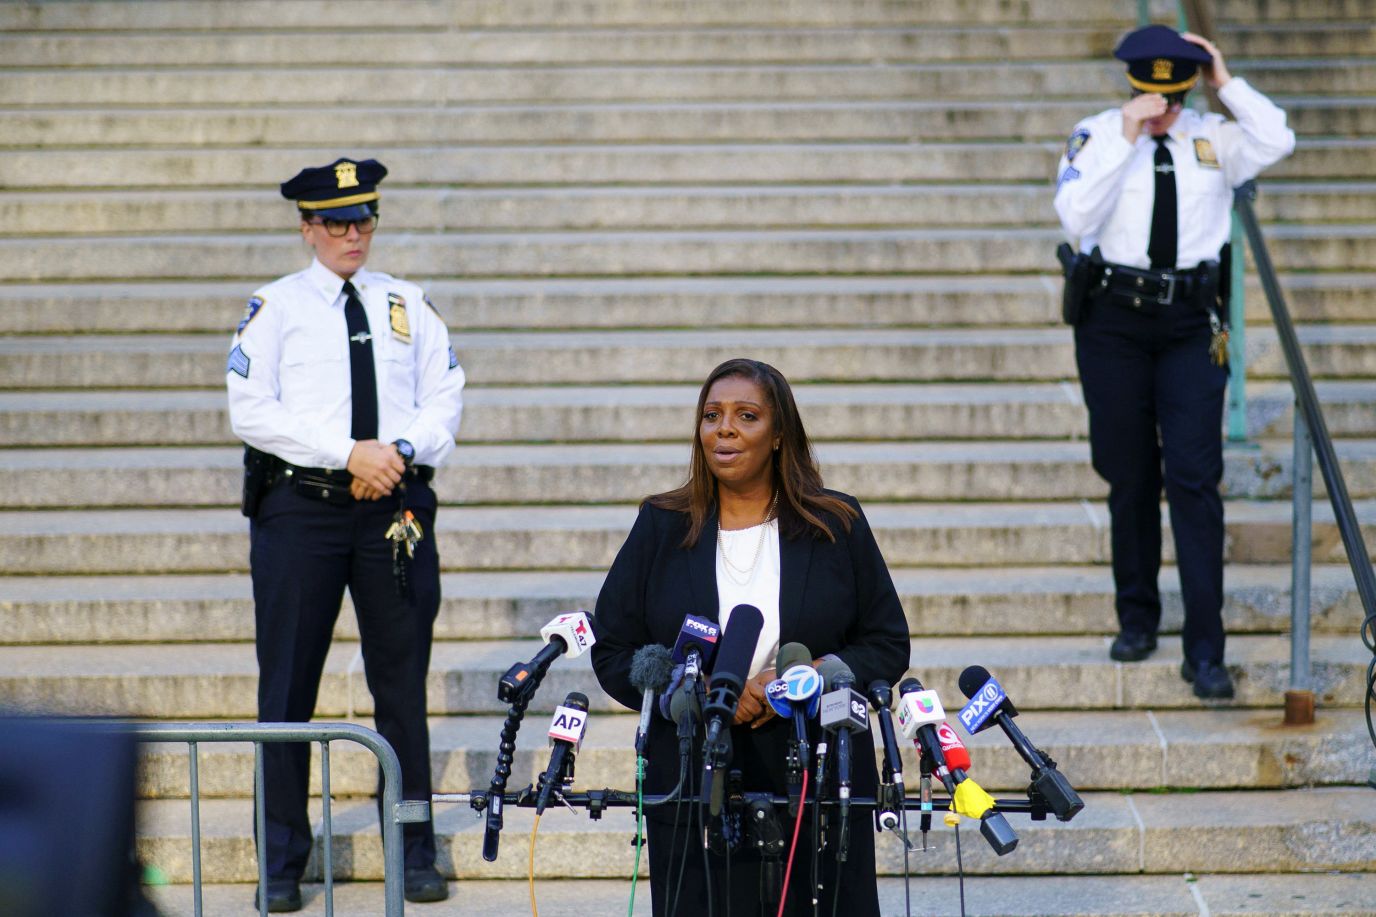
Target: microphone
(989, 704)
(651, 668)
(957, 755)
(570, 633)
(918, 713)
(843, 711)
(566, 733)
(892, 790)
(734, 655)
(696, 645)
(796, 695)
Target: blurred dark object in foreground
(67, 820)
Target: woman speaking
(752, 525)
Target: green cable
(639, 830)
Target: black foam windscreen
(972, 679)
(835, 673)
(577, 700)
(908, 686)
(737, 648)
(651, 668)
(791, 654)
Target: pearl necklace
(748, 573)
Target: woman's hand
(754, 707)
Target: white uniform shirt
(1106, 186)
(761, 589)
(290, 387)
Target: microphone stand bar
(597, 801)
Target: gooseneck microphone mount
(570, 633)
(506, 754)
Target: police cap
(1160, 60)
(342, 190)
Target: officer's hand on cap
(1216, 72)
(376, 464)
(1140, 109)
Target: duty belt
(332, 486)
(1147, 289)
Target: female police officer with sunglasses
(1148, 188)
(344, 386)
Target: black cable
(960, 872)
(1369, 639)
(836, 892)
(907, 892)
(706, 854)
(684, 765)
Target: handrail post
(1299, 699)
(1237, 337)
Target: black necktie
(1164, 223)
(361, 370)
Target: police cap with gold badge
(342, 190)
(1160, 60)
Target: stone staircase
(605, 198)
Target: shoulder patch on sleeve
(238, 362)
(254, 304)
(1076, 143)
(453, 358)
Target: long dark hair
(802, 502)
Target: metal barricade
(401, 811)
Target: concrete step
(461, 15)
(253, 257)
(1131, 750)
(1326, 828)
(571, 537)
(492, 605)
(661, 45)
(220, 680)
(582, 163)
(469, 14)
(637, 413)
(466, 84)
(689, 122)
(85, 213)
(578, 474)
(1286, 895)
(657, 46)
(1239, 11)
(624, 302)
(618, 357)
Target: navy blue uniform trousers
(1155, 404)
(304, 553)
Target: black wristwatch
(406, 451)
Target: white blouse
(760, 587)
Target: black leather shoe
(284, 895)
(1131, 647)
(425, 883)
(1211, 680)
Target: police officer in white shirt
(344, 388)
(1147, 189)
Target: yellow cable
(534, 911)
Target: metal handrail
(1309, 425)
(398, 811)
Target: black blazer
(835, 597)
